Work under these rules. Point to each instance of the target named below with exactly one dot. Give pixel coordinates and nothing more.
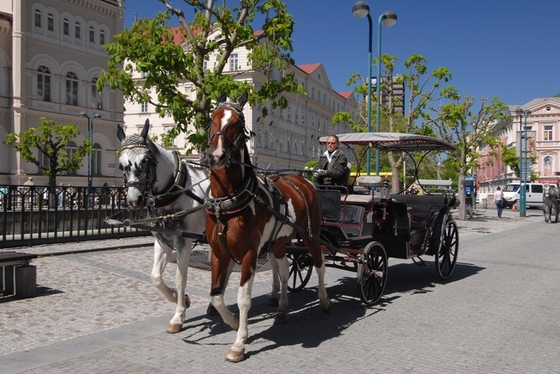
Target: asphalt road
(98, 313)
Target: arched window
(71, 89)
(50, 22)
(44, 83)
(96, 160)
(66, 27)
(37, 18)
(101, 37)
(91, 34)
(78, 30)
(95, 95)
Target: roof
(393, 141)
(309, 68)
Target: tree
(51, 140)
(147, 47)
(457, 121)
(421, 88)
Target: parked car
(534, 195)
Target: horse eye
(120, 167)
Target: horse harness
(244, 195)
(178, 186)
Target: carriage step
(419, 262)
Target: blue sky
(504, 48)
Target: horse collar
(238, 201)
(179, 183)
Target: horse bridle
(150, 174)
(237, 142)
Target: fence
(32, 215)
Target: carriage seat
(421, 208)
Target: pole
(90, 138)
(368, 154)
(378, 88)
(523, 155)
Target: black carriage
(361, 230)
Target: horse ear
(120, 133)
(144, 133)
(243, 99)
(223, 98)
(152, 146)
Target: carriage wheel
(372, 274)
(301, 267)
(446, 256)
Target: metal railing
(32, 215)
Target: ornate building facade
(543, 144)
(51, 53)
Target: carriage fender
(438, 221)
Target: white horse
(551, 200)
(159, 181)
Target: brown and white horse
(157, 180)
(249, 216)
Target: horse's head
(227, 132)
(138, 164)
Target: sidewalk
(81, 295)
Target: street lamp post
(389, 18)
(526, 172)
(361, 10)
(519, 113)
(90, 138)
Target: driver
(332, 168)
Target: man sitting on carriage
(332, 168)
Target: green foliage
(215, 30)
(51, 140)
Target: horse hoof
(211, 311)
(174, 328)
(281, 318)
(327, 309)
(235, 354)
(187, 301)
(272, 301)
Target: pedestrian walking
(499, 201)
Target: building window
(205, 65)
(548, 132)
(44, 160)
(95, 95)
(50, 22)
(233, 62)
(71, 89)
(91, 34)
(66, 27)
(144, 107)
(37, 18)
(78, 30)
(96, 160)
(44, 83)
(101, 37)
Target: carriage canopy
(393, 141)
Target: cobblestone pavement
(98, 312)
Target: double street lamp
(388, 19)
(524, 172)
(90, 138)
